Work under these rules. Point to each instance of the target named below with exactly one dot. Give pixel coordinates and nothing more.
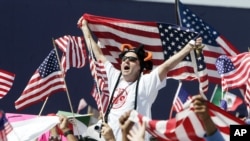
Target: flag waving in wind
(6, 82)
(100, 89)
(215, 44)
(5, 127)
(47, 79)
(234, 72)
(162, 39)
(181, 98)
(74, 52)
(186, 126)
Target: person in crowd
(64, 127)
(138, 133)
(129, 131)
(54, 134)
(129, 88)
(99, 131)
(201, 109)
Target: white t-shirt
(124, 96)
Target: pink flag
(6, 82)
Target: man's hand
(107, 132)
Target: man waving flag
(215, 43)
(162, 39)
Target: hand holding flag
(162, 39)
(215, 43)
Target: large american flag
(74, 52)
(6, 82)
(234, 72)
(47, 80)
(181, 97)
(215, 44)
(162, 39)
(186, 126)
(5, 127)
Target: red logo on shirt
(120, 99)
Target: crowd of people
(131, 131)
(131, 89)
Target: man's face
(130, 66)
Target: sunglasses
(130, 58)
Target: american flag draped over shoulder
(6, 82)
(215, 44)
(162, 39)
(74, 52)
(47, 80)
(234, 72)
(5, 127)
(186, 126)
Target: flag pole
(43, 106)
(215, 88)
(95, 77)
(192, 52)
(67, 92)
(194, 63)
(175, 97)
(177, 12)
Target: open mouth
(126, 68)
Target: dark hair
(141, 54)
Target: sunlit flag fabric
(162, 39)
(186, 126)
(5, 126)
(47, 80)
(234, 72)
(215, 43)
(100, 89)
(74, 52)
(6, 82)
(181, 98)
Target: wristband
(67, 133)
(54, 138)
